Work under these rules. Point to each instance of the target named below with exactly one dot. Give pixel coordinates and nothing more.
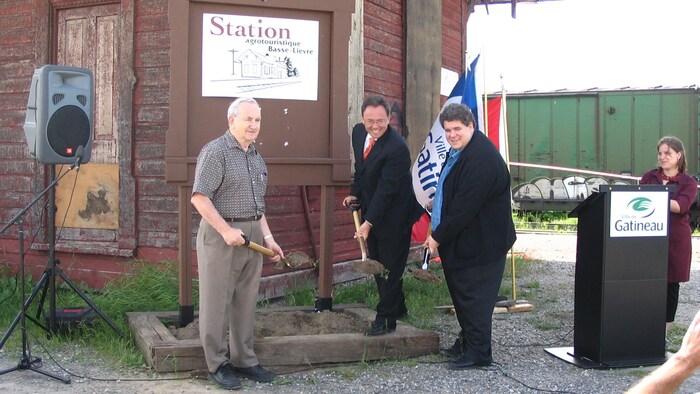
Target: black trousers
(474, 291)
(672, 293)
(392, 253)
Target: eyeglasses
(372, 122)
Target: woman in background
(671, 171)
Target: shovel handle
(363, 247)
(356, 218)
(426, 253)
(360, 239)
(258, 248)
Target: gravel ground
(521, 364)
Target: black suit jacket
(383, 183)
(476, 226)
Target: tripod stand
(47, 282)
(27, 361)
(48, 279)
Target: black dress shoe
(453, 351)
(257, 373)
(465, 362)
(380, 328)
(225, 378)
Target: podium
(621, 272)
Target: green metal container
(613, 131)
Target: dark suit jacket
(476, 226)
(383, 183)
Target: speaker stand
(27, 361)
(47, 282)
(50, 284)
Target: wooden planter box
(166, 353)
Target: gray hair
(233, 108)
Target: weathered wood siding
(454, 22)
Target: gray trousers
(229, 278)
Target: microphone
(79, 156)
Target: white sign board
(638, 214)
(259, 57)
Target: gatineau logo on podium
(642, 206)
(638, 214)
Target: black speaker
(59, 115)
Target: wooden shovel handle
(356, 217)
(258, 248)
(360, 239)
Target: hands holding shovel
(429, 248)
(361, 229)
(366, 265)
(293, 260)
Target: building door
(90, 202)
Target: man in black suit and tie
(383, 188)
(472, 229)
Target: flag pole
(522, 305)
(505, 140)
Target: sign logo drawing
(642, 206)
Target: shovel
(426, 253)
(424, 274)
(293, 259)
(366, 266)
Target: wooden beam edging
(165, 353)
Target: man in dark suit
(472, 229)
(382, 186)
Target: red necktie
(368, 148)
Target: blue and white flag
(473, 96)
(426, 168)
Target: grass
(147, 287)
(544, 220)
(154, 287)
(421, 297)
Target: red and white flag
(497, 131)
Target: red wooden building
(121, 208)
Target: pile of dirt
(368, 267)
(289, 323)
(426, 276)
